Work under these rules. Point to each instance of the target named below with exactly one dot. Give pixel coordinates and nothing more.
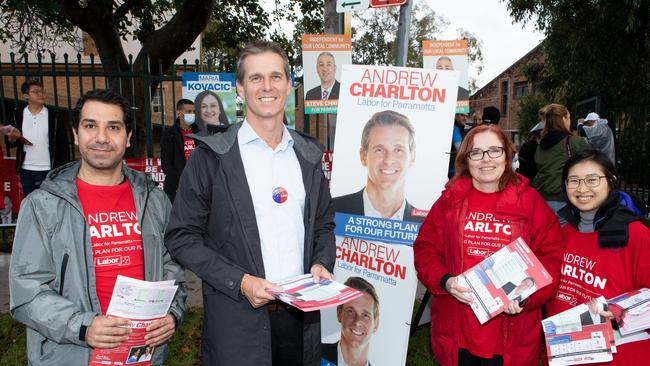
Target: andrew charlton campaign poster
(389, 166)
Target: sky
(503, 42)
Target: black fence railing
(65, 81)
(632, 136)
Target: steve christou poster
(389, 166)
(450, 55)
(323, 56)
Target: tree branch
(125, 8)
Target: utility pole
(403, 33)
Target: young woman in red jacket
(608, 245)
(485, 206)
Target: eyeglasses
(591, 181)
(492, 151)
(37, 91)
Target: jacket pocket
(64, 266)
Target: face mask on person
(189, 118)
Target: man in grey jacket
(89, 222)
(253, 207)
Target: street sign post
(344, 6)
(384, 3)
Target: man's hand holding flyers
(107, 332)
(160, 330)
(318, 271)
(254, 289)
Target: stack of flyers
(304, 294)
(631, 311)
(579, 335)
(512, 273)
(142, 302)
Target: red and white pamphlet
(304, 294)
(580, 335)
(631, 311)
(142, 302)
(512, 273)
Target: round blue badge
(280, 195)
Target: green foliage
(12, 342)
(598, 47)
(235, 22)
(529, 106)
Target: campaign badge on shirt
(280, 195)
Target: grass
(185, 345)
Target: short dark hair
(24, 88)
(257, 47)
(182, 102)
(387, 118)
(595, 156)
(366, 287)
(105, 96)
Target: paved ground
(193, 286)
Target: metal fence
(632, 136)
(64, 82)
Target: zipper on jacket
(64, 266)
(90, 300)
(144, 210)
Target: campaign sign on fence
(13, 192)
(151, 166)
(214, 96)
(450, 55)
(389, 166)
(323, 55)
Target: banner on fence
(12, 191)
(389, 166)
(214, 96)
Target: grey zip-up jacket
(52, 273)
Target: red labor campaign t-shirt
(188, 143)
(482, 236)
(589, 271)
(115, 235)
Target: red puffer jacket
(439, 250)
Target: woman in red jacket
(485, 206)
(608, 245)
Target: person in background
(605, 228)
(44, 144)
(210, 114)
(491, 115)
(461, 230)
(599, 135)
(477, 118)
(556, 146)
(527, 166)
(176, 146)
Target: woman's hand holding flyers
(462, 294)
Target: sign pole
(403, 33)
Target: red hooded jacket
(438, 250)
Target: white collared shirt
(281, 225)
(341, 360)
(369, 209)
(36, 131)
(328, 90)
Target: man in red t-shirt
(176, 146)
(90, 222)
